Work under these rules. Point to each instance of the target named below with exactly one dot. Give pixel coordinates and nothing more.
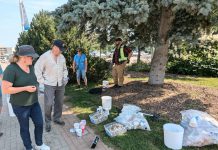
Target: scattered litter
(131, 118)
(131, 108)
(114, 129)
(72, 130)
(154, 117)
(94, 143)
(99, 116)
(200, 128)
(79, 128)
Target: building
(5, 52)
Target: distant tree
(41, 34)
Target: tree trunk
(139, 55)
(160, 57)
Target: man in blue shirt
(80, 66)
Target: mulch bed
(167, 100)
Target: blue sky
(10, 24)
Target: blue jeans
(23, 113)
(80, 73)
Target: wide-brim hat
(27, 50)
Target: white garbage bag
(200, 128)
(131, 118)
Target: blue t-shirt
(80, 61)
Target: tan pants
(118, 73)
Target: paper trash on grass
(200, 128)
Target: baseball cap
(118, 39)
(60, 44)
(27, 50)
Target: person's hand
(30, 89)
(65, 81)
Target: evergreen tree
(153, 22)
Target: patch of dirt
(167, 100)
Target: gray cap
(27, 50)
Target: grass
(84, 104)
(199, 81)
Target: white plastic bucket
(106, 102)
(105, 84)
(173, 136)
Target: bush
(139, 67)
(193, 66)
(98, 70)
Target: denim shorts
(80, 73)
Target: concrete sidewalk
(59, 138)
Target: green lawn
(84, 104)
(201, 81)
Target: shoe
(115, 86)
(59, 122)
(1, 134)
(48, 127)
(42, 147)
(78, 87)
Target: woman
(80, 66)
(20, 81)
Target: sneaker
(59, 122)
(48, 127)
(42, 147)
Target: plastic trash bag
(131, 118)
(200, 128)
(130, 108)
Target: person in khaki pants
(121, 57)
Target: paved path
(58, 139)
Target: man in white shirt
(51, 70)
